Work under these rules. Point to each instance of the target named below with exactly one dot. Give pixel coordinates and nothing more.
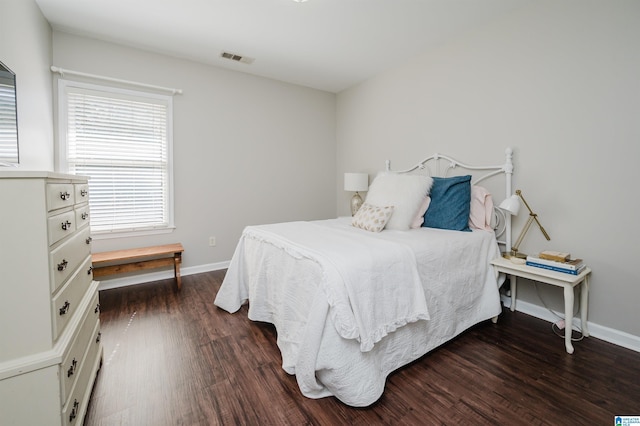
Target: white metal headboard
(443, 164)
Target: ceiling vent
(237, 58)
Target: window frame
(62, 163)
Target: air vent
(237, 58)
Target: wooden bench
(137, 259)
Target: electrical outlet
(212, 241)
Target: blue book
(555, 268)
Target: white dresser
(50, 348)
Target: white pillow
(372, 218)
(403, 191)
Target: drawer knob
(66, 225)
(84, 215)
(74, 410)
(63, 265)
(89, 270)
(97, 309)
(83, 192)
(98, 337)
(65, 308)
(65, 195)
(72, 368)
(88, 240)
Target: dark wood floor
(175, 359)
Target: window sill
(125, 234)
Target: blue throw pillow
(450, 204)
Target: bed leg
(494, 319)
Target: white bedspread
(335, 336)
(372, 285)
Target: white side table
(566, 281)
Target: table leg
(584, 305)
(568, 317)
(177, 260)
(512, 280)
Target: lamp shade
(355, 182)
(511, 205)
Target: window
(121, 139)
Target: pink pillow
(419, 219)
(481, 209)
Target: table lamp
(512, 206)
(354, 182)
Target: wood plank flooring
(173, 358)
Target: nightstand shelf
(567, 281)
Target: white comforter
(312, 281)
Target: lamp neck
(532, 217)
(514, 248)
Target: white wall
(559, 82)
(247, 150)
(25, 47)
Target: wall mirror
(8, 118)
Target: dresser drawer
(60, 195)
(75, 407)
(61, 225)
(81, 192)
(82, 216)
(73, 361)
(65, 303)
(66, 258)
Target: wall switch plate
(212, 241)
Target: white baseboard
(607, 334)
(159, 275)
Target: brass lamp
(512, 206)
(354, 182)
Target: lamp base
(516, 257)
(356, 203)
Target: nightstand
(559, 279)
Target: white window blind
(122, 142)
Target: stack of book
(557, 261)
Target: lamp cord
(557, 331)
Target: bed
(352, 300)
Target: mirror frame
(10, 77)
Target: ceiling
(324, 44)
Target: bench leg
(177, 260)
